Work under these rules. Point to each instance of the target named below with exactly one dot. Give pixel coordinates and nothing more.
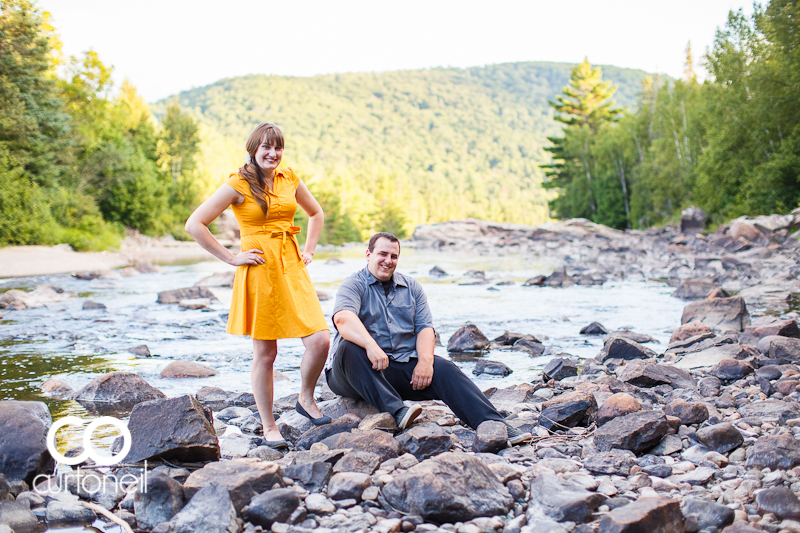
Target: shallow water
(65, 342)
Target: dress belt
(293, 230)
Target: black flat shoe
(321, 421)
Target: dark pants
(352, 375)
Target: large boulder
(559, 368)
(617, 347)
(242, 479)
(777, 347)
(318, 433)
(560, 500)
(769, 325)
(23, 440)
(190, 293)
(723, 314)
(210, 510)
(636, 432)
(125, 388)
(654, 515)
(426, 440)
(172, 429)
(652, 375)
(42, 295)
(451, 487)
(467, 339)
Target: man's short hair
(382, 235)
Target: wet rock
(531, 347)
(695, 289)
(508, 338)
(241, 478)
(17, 515)
(117, 387)
(721, 438)
(467, 339)
(559, 368)
(174, 429)
(42, 295)
(358, 461)
(271, 506)
(775, 452)
(91, 305)
(375, 441)
(641, 338)
(770, 411)
(55, 388)
(210, 510)
(780, 501)
(187, 369)
(23, 440)
(68, 513)
(652, 375)
(636, 432)
(140, 351)
(426, 440)
(560, 500)
(159, 501)
(448, 488)
(621, 348)
(189, 293)
(654, 515)
(492, 368)
(491, 437)
(319, 433)
(617, 405)
(246, 399)
(559, 278)
(688, 412)
(614, 462)
(767, 326)
(568, 410)
(722, 314)
(348, 485)
(729, 369)
(689, 330)
(776, 347)
(535, 281)
(437, 272)
(595, 328)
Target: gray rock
(173, 429)
(695, 289)
(141, 351)
(770, 411)
(614, 462)
(238, 445)
(698, 476)
(490, 437)
(346, 485)
(508, 338)
(426, 440)
(375, 441)
(693, 220)
(229, 413)
(616, 347)
(358, 461)
(318, 504)
(559, 368)
(561, 500)
(467, 339)
(780, 501)
(319, 433)
(271, 506)
(210, 510)
(777, 347)
(68, 513)
(90, 305)
(17, 515)
(644, 374)
(533, 348)
(336, 408)
(729, 369)
(568, 410)
(595, 328)
(312, 476)
(688, 412)
(769, 325)
(669, 445)
(189, 293)
(264, 453)
(240, 478)
(721, 438)
(636, 432)
(160, 500)
(448, 488)
(654, 515)
(722, 314)
(775, 452)
(711, 356)
(23, 440)
(125, 388)
(492, 368)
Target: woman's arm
(316, 218)
(197, 227)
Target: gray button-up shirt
(394, 320)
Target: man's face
(382, 260)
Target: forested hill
(406, 147)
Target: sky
(167, 46)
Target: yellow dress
(275, 300)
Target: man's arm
(352, 329)
(423, 371)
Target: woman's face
(268, 156)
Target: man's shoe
(516, 436)
(406, 415)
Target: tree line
(729, 144)
(78, 165)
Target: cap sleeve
(289, 173)
(238, 183)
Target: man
(383, 348)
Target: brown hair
(251, 172)
(382, 235)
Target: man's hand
(422, 376)
(377, 357)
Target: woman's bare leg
(311, 366)
(264, 353)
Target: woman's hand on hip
(250, 257)
(307, 258)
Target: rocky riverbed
(696, 433)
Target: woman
(273, 297)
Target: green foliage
(24, 215)
(587, 98)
